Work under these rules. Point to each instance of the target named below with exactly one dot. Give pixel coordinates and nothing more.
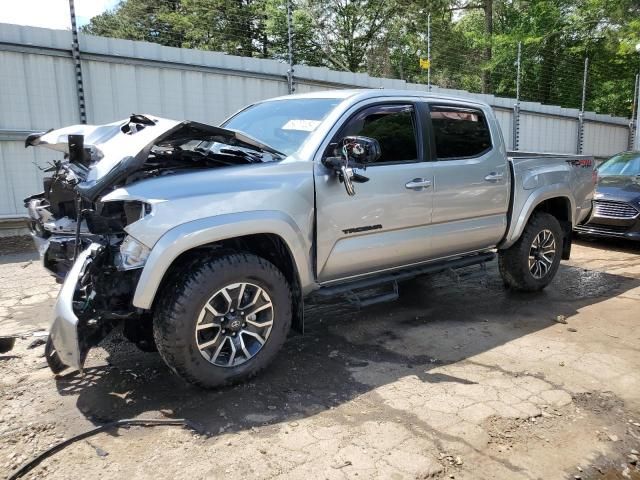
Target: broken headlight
(133, 254)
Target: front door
(384, 225)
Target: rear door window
(459, 132)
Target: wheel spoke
(256, 297)
(240, 295)
(254, 335)
(548, 260)
(233, 353)
(210, 342)
(258, 309)
(227, 297)
(212, 310)
(268, 323)
(544, 267)
(204, 326)
(243, 347)
(218, 350)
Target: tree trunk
(488, 24)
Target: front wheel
(224, 321)
(531, 263)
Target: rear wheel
(531, 263)
(225, 321)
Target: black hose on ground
(31, 464)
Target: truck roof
(365, 93)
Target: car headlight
(133, 254)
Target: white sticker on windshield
(300, 124)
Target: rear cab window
(459, 132)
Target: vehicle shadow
(436, 323)
(619, 245)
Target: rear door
(384, 225)
(471, 180)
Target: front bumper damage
(64, 329)
(94, 298)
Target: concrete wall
(38, 92)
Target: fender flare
(531, 203)
(200, 232)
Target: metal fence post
(580, 139)
(633, 127)
(516, 108)
(290, 85)
(75, 52)
(429, 52)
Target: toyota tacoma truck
(205, 241)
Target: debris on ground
(99, 451)
(39, 341)
(6, 344)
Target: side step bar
(394, 277)
(363, 299)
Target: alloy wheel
(234, 324)
(542, 253)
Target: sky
(51, 13)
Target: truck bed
(536, 176)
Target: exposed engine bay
(70, 215)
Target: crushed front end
(93, 299)
(82, 235)
(99, 266)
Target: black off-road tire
(183, 298)
(513, 262)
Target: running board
(465, 275)
(361, 299)
(400, 275)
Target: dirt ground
(459, 379)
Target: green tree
(146, 20)
(474, 43)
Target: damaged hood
(103, 148)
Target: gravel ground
(458, 379)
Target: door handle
(418, 184)
(494, 177)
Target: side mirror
(361, 150)
(356, 152)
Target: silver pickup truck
(204, 241)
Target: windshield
(626, 164)
(283, 124)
